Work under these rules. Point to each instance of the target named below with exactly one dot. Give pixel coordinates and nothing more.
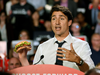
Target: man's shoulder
(15, 5)
(28, 4)
(8, 3)
(79, 41)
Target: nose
(57, 22)
(14, 66)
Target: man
(20, 16)
(95, 48)
(75, 52)
(92, 12)
(14, 63)
(9, 4)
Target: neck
(48, 29)
(95, 7)
(76, 34)
(83, 24)
(36, 23)
(2, 22)
(23, 2)
(96, 48)
(61, 37)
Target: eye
(53, 18)
(11, 64)
(62, 18)
(17, 63)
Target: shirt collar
(68, 39)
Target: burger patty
(23, 46)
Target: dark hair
(94, 71)
(94, 34)
(3, 11)
(81, 14)
(64, 10)
(6, 20)
(5, 73)
(43, 40)
(25, 31)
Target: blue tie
(59, 62)
(95, 16)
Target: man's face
(95, 3)
(96, 40)
(60, 24)
(14, 63)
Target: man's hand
(69, 55)
(29, 12)
(10, 12)
(22, 53)
(23, 57)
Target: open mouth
(58, 28)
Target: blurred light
(77, 26)
(48, 7)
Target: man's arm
(23, 58)
(83, 66)
(71, 55)
(40, 8)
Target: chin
(58, 34)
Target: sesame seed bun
(23, 47)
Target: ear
(69, 22)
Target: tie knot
(60, 43)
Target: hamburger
(22, 45)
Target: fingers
(69, 55)
(61, 52)
(71, 46)
(63, 59)
(63, 49)
(72, 49)
(60, 55)
(29, 12)
(22, 51)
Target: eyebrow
(59, 15)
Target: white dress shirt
(8, 7)
(49, 48)
(3, 33)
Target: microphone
(42, 56)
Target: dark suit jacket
(89, 17)
(10, 35)
(72, 7)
